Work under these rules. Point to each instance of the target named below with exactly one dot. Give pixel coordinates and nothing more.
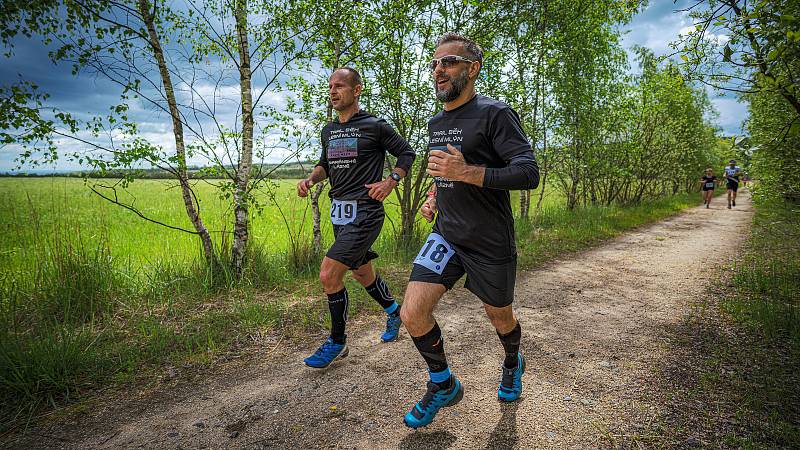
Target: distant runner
(478, 153)
(708, 183)
(732, 173)
(354, 148)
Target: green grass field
(33, 208)
(91, 295)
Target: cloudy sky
(655, 28)
(86, 96)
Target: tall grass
(49, 321)
(765, 291)
(50, 366)
(90, 295)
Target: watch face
(395, 176)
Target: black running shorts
(353, 241)
(493, 283)
(733, 185)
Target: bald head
(352, 75)
(344, 88)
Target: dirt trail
(593, 334)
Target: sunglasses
(447, 61)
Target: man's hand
(303, 186)
(453, 166)
(428, 210)
(380, 190)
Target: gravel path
(593, 334)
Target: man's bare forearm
(473, 175)
(318, 174)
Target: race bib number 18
(343, 211)
(435, 253)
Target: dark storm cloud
(79, 94)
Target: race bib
(710, 184)
(435, 253)
(343, 211)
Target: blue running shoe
(511, 385)
(436, 398)
(326, 353)
(392, 328)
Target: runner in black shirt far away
(708, 182)
(353, 155)
(732, 173)
(478, 153)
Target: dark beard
(457, 85)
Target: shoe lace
(392, 322)
(326, 348)
(429, 396)
(508, 377)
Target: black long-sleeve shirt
(478, 220)
(354, 153)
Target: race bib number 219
(435, 253)
(343, 211)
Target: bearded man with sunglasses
(354, 147)
(478, 152)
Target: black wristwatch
(395, 176)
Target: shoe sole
(520, 393)
(390, 340)
(341, 355)
(453, 401)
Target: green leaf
(685, 58)
(774, 54)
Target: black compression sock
(431, 347)
(511, 346)
(380, 292)
(337, 304)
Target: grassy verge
(84, 319)
(765, 291)
(763, 297)
(734, 376)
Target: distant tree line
(273, 172)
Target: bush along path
(602, 330)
